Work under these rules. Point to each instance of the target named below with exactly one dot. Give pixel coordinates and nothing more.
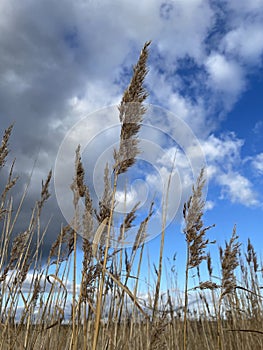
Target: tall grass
(107, 309)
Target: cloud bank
(62, 61)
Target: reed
(112, 307)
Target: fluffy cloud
(223, 155)
(209, 205)
(236, 42)
(257, 163)
(224, 150)
(242, 8)
(238, 188)
(225, 76)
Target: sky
(63, 68)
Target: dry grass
(106, 309)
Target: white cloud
(246, 42)
(184, 34)
(224, 150)
(223, 155)
(245, 7)
(193, 114)
(224, 168)
(258, 127)
(211, 171)
(238, 188)
(225, 75)
(257, 163)
(138, 193)
(225, 164)
(209, 205)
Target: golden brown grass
(107, 308)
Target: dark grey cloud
(49, 53)
(39, 72)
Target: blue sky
(64, 66)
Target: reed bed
(107, 309)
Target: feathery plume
(229, 262)
(105, 202)
(195, 234)
(131, 113)
(4, 146)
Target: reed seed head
(4, 146)
(194, 231)
(131, 112)
(229, 262)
